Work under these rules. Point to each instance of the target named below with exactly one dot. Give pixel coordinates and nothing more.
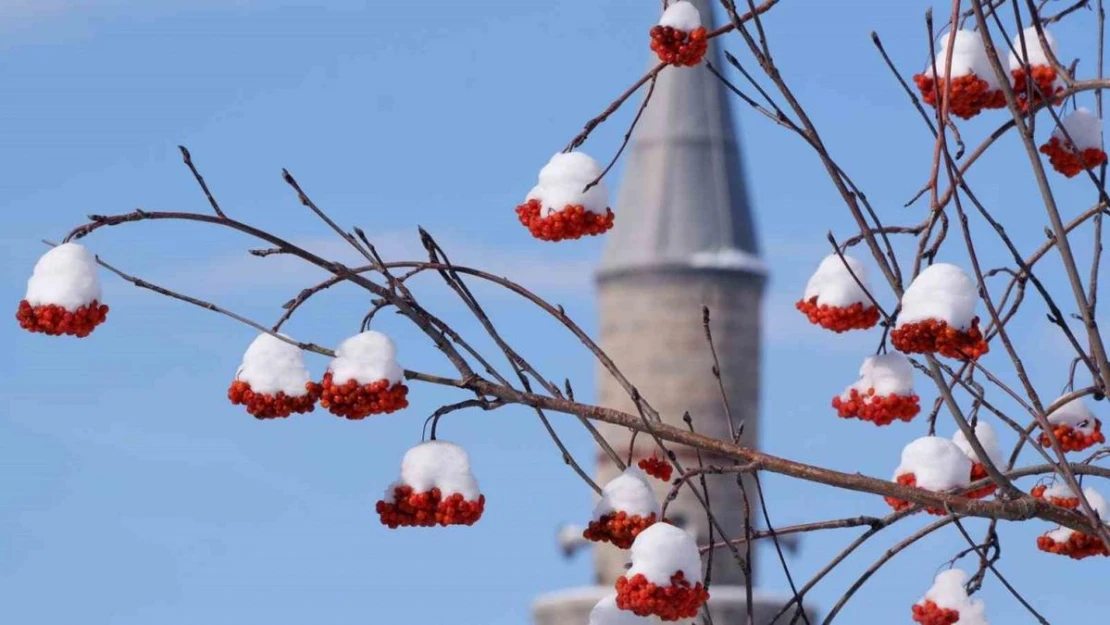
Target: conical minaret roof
(683, 201)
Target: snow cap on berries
(942, 292)
(1083, 127)
(936, 463)
(987, 438)
(437, 464)
(832, 284)
(561, 184)
(366, 358)
(1060, 490)
(270, 365)
(629, 492)
(65, 276)
(681, 15)
(1075, 415)
(1098, 504)
(606, 612)
(888, 374)
(662, 550)
(968, 57)
(1034, 51)
(949, 592)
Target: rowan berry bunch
(1045, 87)
(857, 316)
(572, 222)
(1074, 439)
(55, 320)
(356, 401)
(679, 47)
(428, 509)
(272, 406)
(929, 613)
(969, 95)
(898, 505)
(679, 600)
(1069, 502)
(1068, 161)
(880, 410)
(979, 472)
(1075, 545)
(656, 467)
(618, 528)
(936, 336)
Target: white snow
(1098, 504)
(889, 374)
(1083, 127)
(662, 550)
(968, 57)
(681, 15)
(832, 283)
(366, 358)
(937, 464)
(437, 464)
(562, 180)
(271, 365)
(1034, 51)
(1074, 414)
(65, 276)
(987, 438)
(630, 492)
(941, 292)
(1060, 490)
(948, 592)
(606, 612)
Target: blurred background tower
(684, 239)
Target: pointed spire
(683, 201)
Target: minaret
(684, 238)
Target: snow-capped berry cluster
(364, 378)
(665, 577)
(938, 315)
(560, 207)
(1076, 144)
(834, 300)
(932, 463)
(1046, 85)
(627, 507)
(63, 294)
(657, 467)
(989, 441)
(606, 612)
(947, 602)
(437, 487)
(1078, 545)
(679, 38)
(1075, 427)
(883, 394)
(974, 86)
(1058, 494)
(273, 381)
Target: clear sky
(132, 493)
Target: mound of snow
(662, 550)
(681, 15)
(1083, 127)
(1074, 414)
(1034, 51)
(271, 365)
(437, 464)
(832, 284)
(561, 184)
(937, 464)
(366, 358)
(1098, 504)
(942, 292)
(968, 57)
(987, 438)
(65, 276)
(888, 374)
(629, 492)
(948, 592)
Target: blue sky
(132, 493)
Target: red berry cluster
(1072, 439)
(670, 603)
(269, 406)
(619, 528)
(1069, 162)
(1044, 79)
(1077, 547)
(355, 401)
(968, 97)
(878, 409)
(428, 509)
(657, 467)
(929, 613)
(54, 320)
(573, 222)
(934, 335)
(678, 47)
(839, 318)
(1064, 502)
(909, 479)
(979, 472)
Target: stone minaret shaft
(684, 239)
